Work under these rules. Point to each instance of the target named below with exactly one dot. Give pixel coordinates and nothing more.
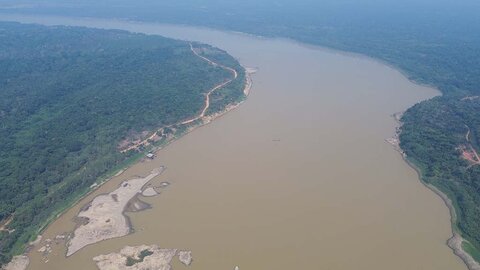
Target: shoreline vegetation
(21, 262)
(96, 229)
(456, 241)
(233, 94)
(421, 62)
(163, 132)
(440, 138)
(432, 141)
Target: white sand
(160, 259)
(105, 214)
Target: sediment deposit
(104, 218)
(142, 258)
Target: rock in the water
(185, 257)
(164, 184)
(141, 258)
(149, 192)
(131, 258)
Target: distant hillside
(69, 96)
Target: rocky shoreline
(142, 258)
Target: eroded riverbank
(298, 177)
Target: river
(298, 177)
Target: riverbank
(85, 238)
(105, 214)
(455, 242)
(298, 179)
(160, 133)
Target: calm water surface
(299, 177)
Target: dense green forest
(69, 95)
(431, 136)
(432, 42)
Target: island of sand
(104, 217)
(142, 258)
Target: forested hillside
(69, 96)
(440, 137)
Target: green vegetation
(228, 94)
(69, 96)
(132, 261)
(431, 136)
(470, 249)
(432, 42)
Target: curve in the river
(267, 187)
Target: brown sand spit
(104, 217)
(131, 258)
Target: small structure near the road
(150, 156)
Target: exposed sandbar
(104, 217)
(131, 258)
(149, 192)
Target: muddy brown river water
(298, 177)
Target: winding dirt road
(204, 110)
(207, 96)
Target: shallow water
(298, 177)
